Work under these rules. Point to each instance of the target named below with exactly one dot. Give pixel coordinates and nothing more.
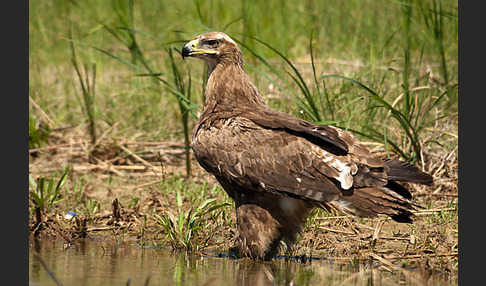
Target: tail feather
(404, 171)
(371, 201)
(399, 189)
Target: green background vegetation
(405, 51)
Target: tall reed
(87, 89)
(309, 98)
(434, 16)
(126, 34)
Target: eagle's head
(214, 48)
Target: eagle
(277, 167)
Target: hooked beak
(188, 48)
(191, 49)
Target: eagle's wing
(247, 157)
(322, 135)
(255, 158)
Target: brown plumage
(277, 167)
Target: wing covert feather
(268, 160)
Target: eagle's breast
(212, 144)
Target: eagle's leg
(258, 232)
(262, 224)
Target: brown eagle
(277, 167)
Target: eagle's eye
(212, 43)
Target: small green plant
(141, 241)
(312, 223)
(133, 202)
(181, 228)
(446, 215)
(74, 195)
(91, 206)
(46, 192)
(38, 133)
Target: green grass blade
(287, 86)
(303, 86)
(134, 66)
(32, 183)
(405, 124)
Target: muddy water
(101, 263)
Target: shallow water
(94, 263)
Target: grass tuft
(181, 228)
(38, 133)
(46, 192)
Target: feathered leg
(258, 232)
(261, 225)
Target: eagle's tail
(404, 171)
(371, 201)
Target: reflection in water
(265, 273)
(35, 268)
(106, 263)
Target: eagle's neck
(229, 88)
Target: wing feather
(267, 160)
(321, 135)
